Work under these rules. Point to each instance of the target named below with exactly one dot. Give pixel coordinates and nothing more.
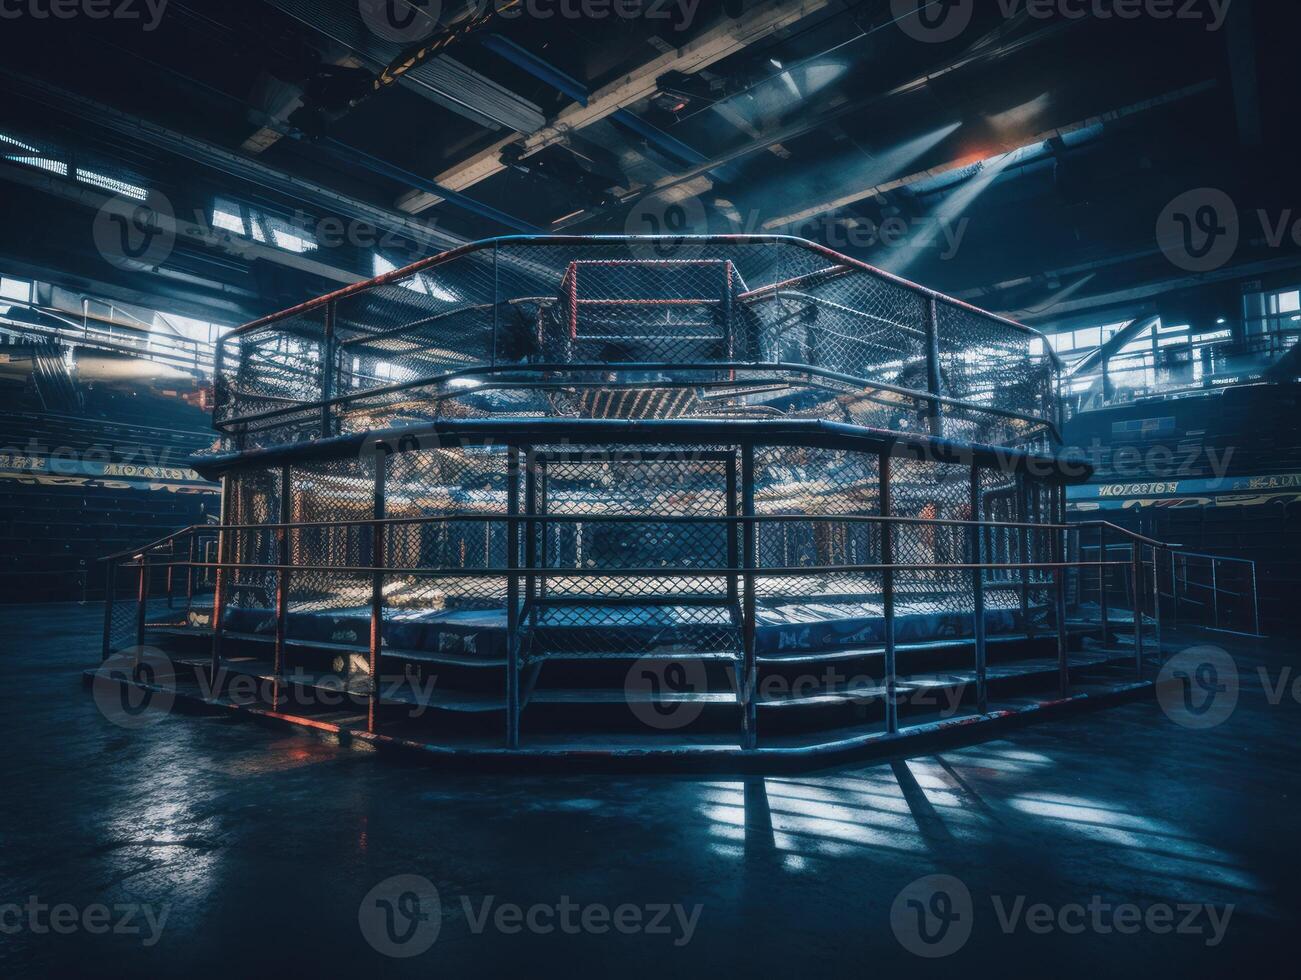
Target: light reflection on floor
(923, 811)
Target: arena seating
(105, 473)
(1201, 439)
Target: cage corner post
(512, 599)
(749, 667)
(887, 593)
(378, 563)
(978, 591)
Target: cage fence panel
(327, 600)
(635, 579)
(637, 329)
(251, 592)
(466, 488)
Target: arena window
(249, 222)
(419, 283)
(106, 183)
(18, 150)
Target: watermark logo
(1199, 230)
(938, 21)
(148, 12)
(669, 219)
(135, 688)
(401, 21)
(135, 235)
(96, 919)
(1197, 688)
(401, 916)
(933, 916)
(660, 692)
(932, 21)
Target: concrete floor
(261, 845)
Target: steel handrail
(470, 248)
(792, 367)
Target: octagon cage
(718, 493)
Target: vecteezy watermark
(135, 235)
(297, 689)
(939, 21)
(120, 461)
(402, 917)
(666, 694)
(661, 221)
(932, 917)
(96, 919)
(401, 21)
(135, 688)
(412, 21)
(1200, 230)
(149, 12)
(935, 916)
(1198, 687)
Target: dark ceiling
(1023, 160)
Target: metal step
(552, 656)
(915, 683)
(323, 646)
(359, 686)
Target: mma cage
(737, 450)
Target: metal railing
(576, 319)
(513, 551)
(123, 338)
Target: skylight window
(16, 150)
(418, 283)
(112, 184)
(226, 215)
(248, 222)
(18, 289)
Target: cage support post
(1102, 580)
(110, 587)
(378, 559)
(530, 538)
(282, 586)
(1156, 604)
(220, 583)
(1023, 543)
(978, 593)
(733, 559)
(1215, 595)
(934, 384)
(887, 593)
(543, 487)
(1255, 602)
(142, 601)
(748, 679)
(189, 575)
(512, 600)
(1174, 593)
(329, 345)
(1136, 587)
(1058, 514)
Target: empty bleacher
(104, 473)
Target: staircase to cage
(652, 661)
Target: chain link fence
(739, 327)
